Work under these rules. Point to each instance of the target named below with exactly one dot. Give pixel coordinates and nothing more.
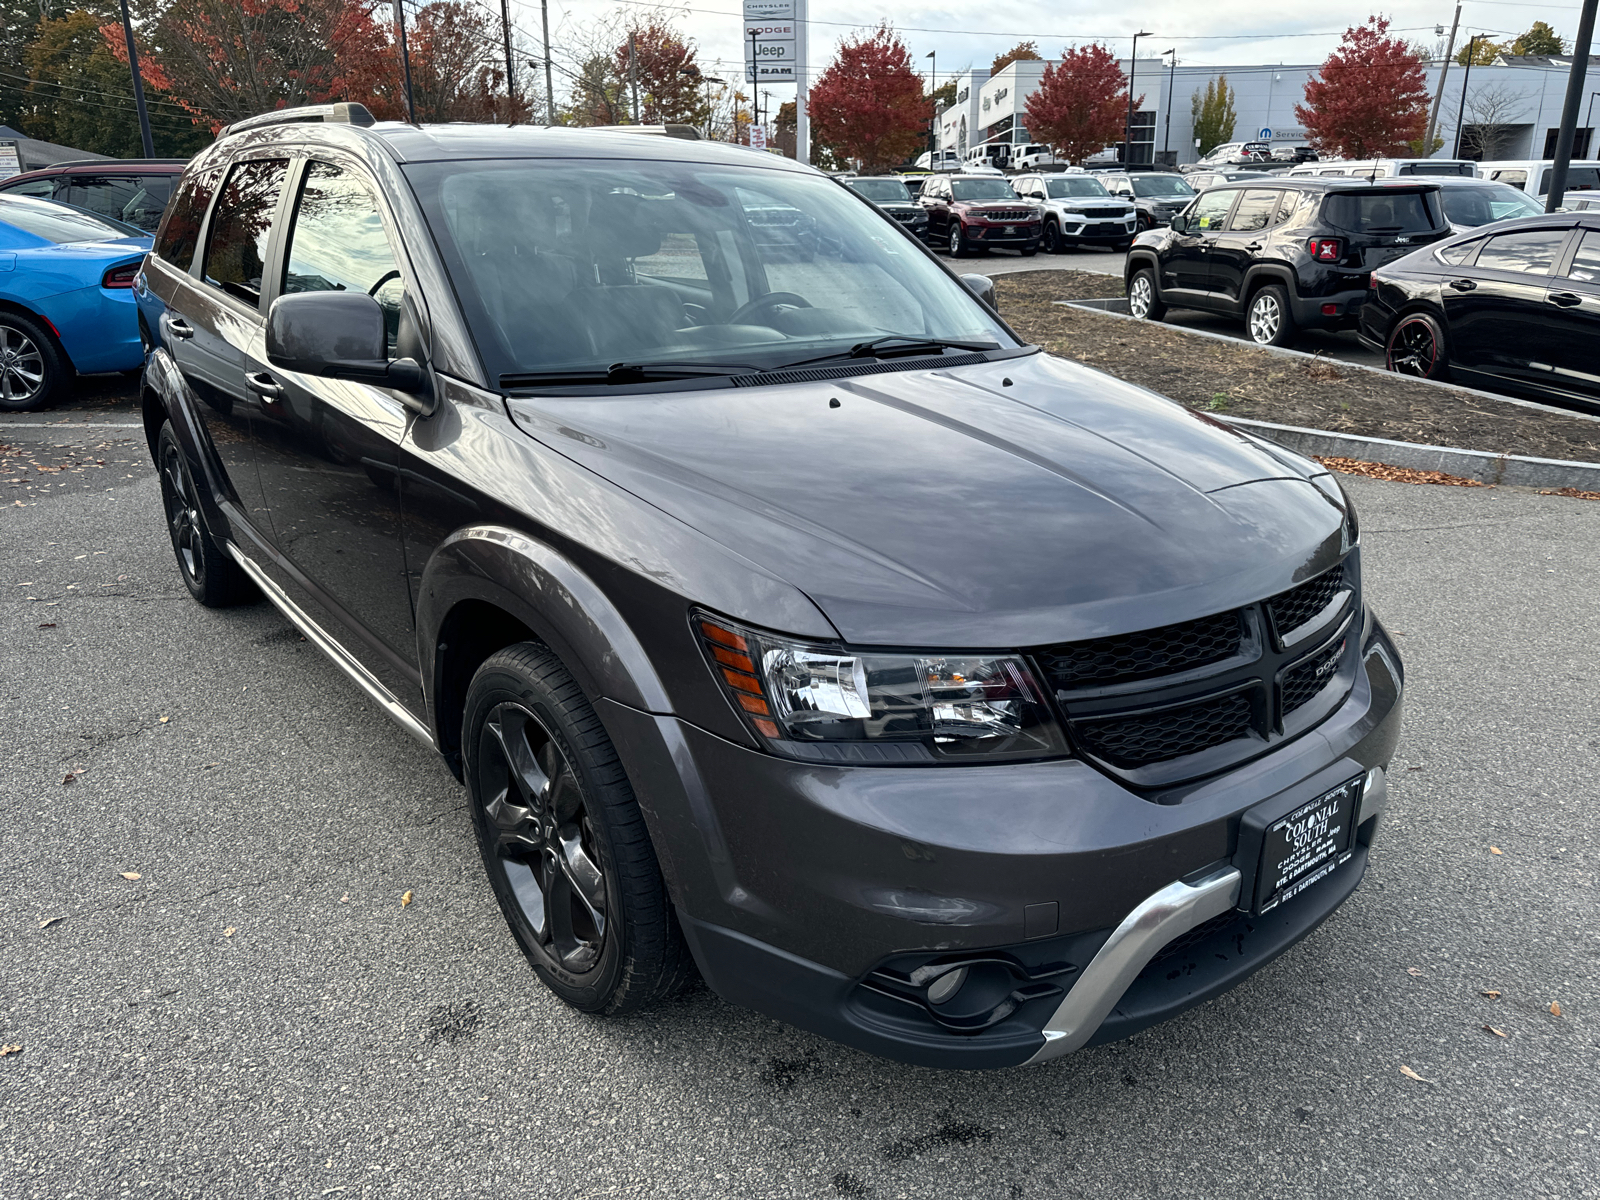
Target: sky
(1232, 32)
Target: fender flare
(550, 595)
(1267, 272)
(1141, 256)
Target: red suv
(134, 190)
(976, 212)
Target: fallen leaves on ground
(229, 931)
(405, 900)
(1413, 970)
(72, 776)
(1491, 1029)
(49, 921)
(164, 720)
(1492, 993)
(1496, 850)
(1571, 493)
(1410, 1074)
(132, 875)
(1354, 466)
(345, 899)
(1555, 1008)
(14, 1048)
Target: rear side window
(236, 251)
(1257, 210)
(1580, 179)
(137, 199)
(1385, 212)
(180, 232)
(1459, 253)
(1586, 263)
(1528, 252)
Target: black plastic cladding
(1239, 702)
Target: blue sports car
(66, 298)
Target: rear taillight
(1326, 249)
(120, 277)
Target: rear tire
(33, 371)
(1144, 301)
(563, 840)
(211, 576)
(1416, 347)
(1267, 319)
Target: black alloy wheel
(563, 840)
(1145, 224)
(1053, 243)
(211, 576)
(1416, 347)
(32, 370)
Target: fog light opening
(946, 986)
(1330, 310)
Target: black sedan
(894, 197)
(1515, 307)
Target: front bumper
(996, 235)
(1092, 232)
(814, 892)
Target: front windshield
(1063, 189)
(60, 223)
(1160, 185)
(884, 191)
(982, 189)
(1491, 202)
(575, 266)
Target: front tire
(1268, 320)
(1416, 347)
(958, 241)
(563, 840)
(32, 370)
(1052, 238)
(1144, 302)
(211, 576)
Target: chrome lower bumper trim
(364, 679)
(1174, 910)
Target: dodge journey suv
(786, 617)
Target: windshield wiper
(621, 373)
(880, 348)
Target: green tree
(1021, 52)
(80, 94)
(1483, 52)
(1540, 39)
(1213, 114)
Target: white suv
(1078, 211)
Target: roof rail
(687, 132)
(345, 113)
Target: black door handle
(1564, 299)
(179, 328)
(1463, 285)
(1253, 247)
(264, 386)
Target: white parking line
(63, 425)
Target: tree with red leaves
(869, 104)
(1081, 105)
(1371, 97)
(670, 91)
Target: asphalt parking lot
(216, 990)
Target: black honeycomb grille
(1186, 941)
(1310, 677)
(1294, 608)
(1144, 655)
(1155, 737)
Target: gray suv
(785, 617)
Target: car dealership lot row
(259, 1013)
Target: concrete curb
(1513, 470)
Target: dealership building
(1512, 107)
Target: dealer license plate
(1307, 845)
(1011, 228)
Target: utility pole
(405, 59)
(1438, 95)
(549, 80)
(138, 84)
(933, 125)
(511, 73)
(633, 74)
(1569, 112)
(1466, 78)
(1172, 71)
(1133, 66)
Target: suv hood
(942, 507)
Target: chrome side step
(341, 657)
(1175, 909)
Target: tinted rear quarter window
(1527, 252)
(1586, 262)
(1459, 253)
(236, 249)
(1381, 213)
(180, 230)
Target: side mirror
(982, 287)
(340, 335)
(1179, 224)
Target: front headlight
(818, 701)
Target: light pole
(1172, 71)
(1133, 66)
(933, 125)
(1466, 77)
(138, 84)
(405, 59)
(549, 80)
